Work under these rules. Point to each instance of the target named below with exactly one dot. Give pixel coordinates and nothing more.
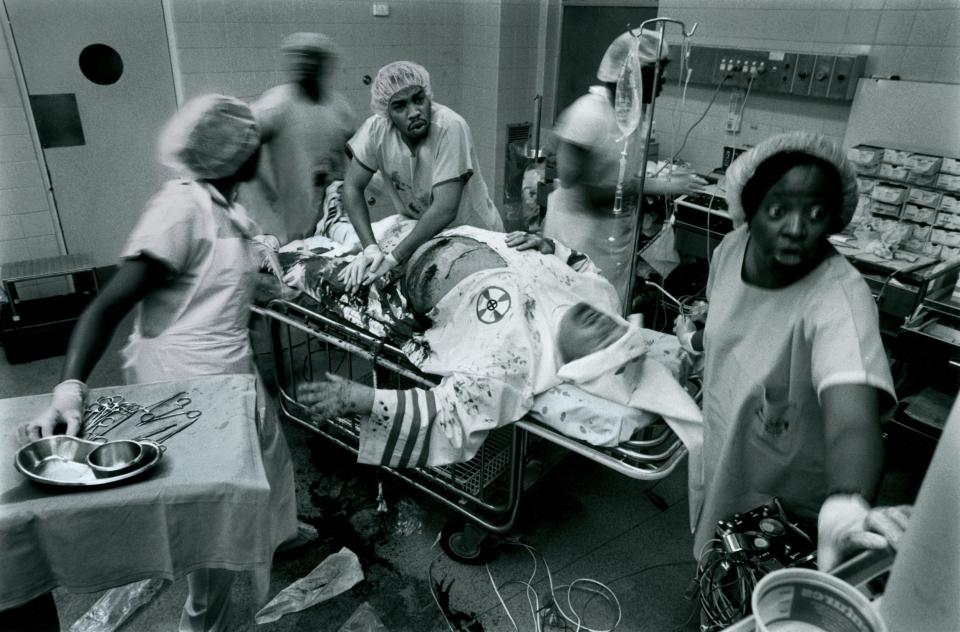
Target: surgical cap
(308, 45)
(393, 78)
(745, 167)
(619, 49)
(210, 137)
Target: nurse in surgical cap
(580, 210)
(189, 266)
(795, 374)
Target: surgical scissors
(176, 412)
(180, 404)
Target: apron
(209, 336)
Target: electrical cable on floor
(554, 606)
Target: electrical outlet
(733, 123)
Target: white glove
(388, 263)
(353, 274)
(843, 529)
(685, 328)
(67, 406)
(266, 247)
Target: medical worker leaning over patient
(188, 268)
(425, 153)
(580, 210)
(795, 375)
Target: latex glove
(353, 274)
(266, 247)
(844, 527)
(69, 397)
(522, 240)
(684, 327)
(388, 263)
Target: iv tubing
(638, 224)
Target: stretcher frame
(485, 491)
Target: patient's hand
(334, 396)
(522, 240)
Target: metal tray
(61, 461)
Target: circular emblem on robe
(493, 303)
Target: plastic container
(804, 600)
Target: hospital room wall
(919, 40)
(26, 223)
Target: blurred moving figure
(580, 210)
(305, 126)
(188, 268)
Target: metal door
(101, 86)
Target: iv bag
(628, 96)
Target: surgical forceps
(104, 410)
(178, 429)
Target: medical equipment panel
(770, 71)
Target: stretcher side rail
(463, 488)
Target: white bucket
(803, 600)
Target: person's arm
(854, 459)
(354, 183)
(854, 462)
(370, 257)
(133, 280)
(573, 163)
(442, 211)
(573, 169)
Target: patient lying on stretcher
(506, 327)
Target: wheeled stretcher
(484, 492)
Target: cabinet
(913, 193)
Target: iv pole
(648, 119)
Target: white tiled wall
(918, 40)
(26, 223)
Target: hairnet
(744, 168)
(619, 49)
(210, 137)
(393, 78)
(308, 45)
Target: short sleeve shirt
(770, 354)
(175, 231)
(447, 154)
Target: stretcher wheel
(464, 542)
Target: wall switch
(735, 111)
(381, 9)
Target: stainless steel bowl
(57, 459)
(114, 456)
